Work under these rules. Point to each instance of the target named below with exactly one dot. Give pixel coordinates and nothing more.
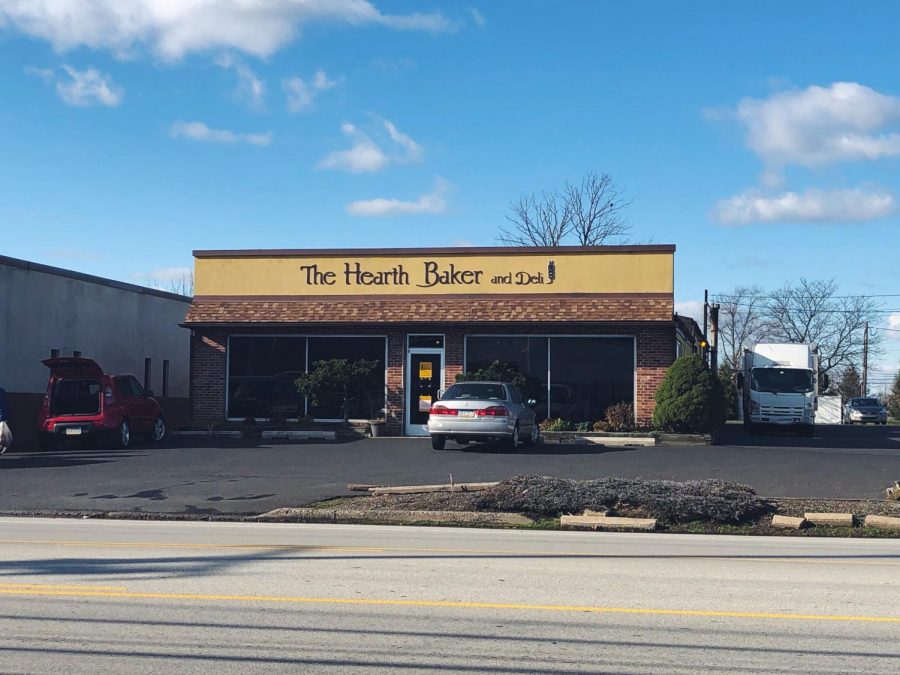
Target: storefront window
(261, 374)
(586, 374)
(526, 355)
(262, 370)
(367, 395)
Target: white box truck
(780, 386)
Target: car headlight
(754, 407)
(809, 406)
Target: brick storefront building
(588, 327)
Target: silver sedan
(482, 411)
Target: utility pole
(714, 338)
(704, 354)
(865, 373)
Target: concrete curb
(298, 435)
(393, 516)
(607, 523)
(616, 441)
(883, 522)
(832, 519)
(787, 522)
(207, 434)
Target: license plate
(73, 432)
(467, 413)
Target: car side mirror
(740, 381)
(531, 403)
(440, 394)
(825, 381)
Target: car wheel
(535, 437)
(123, 435)
(159, 430)
(438, 442)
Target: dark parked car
(84, 403)
(865, 409)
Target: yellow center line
(450, 604)
(77, 587)
(312, 548)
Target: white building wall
(116, 324)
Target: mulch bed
(690, 507)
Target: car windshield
(865, 402)
(475, 390)
(783, 380)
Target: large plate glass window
(367, 394)
(574, 378)
(588, 374)
(525, 355)
(261, 374)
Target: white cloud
(477, 17)
(300, 95)
(198, 131)
(818, 126)
(413, 149)
(811, 206)
(431, 203)
(250, 88)
(365, 155)
(691, 308)
(174, 28)
(85, 88)
(321, 81)
(894, 325)
(46, 74)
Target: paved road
(233, 477)
(120, 596)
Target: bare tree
(537, 221)
(588, 214)
(812, 312)
(741, 323)
(596, 207)
(183, 285)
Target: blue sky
(763, 139)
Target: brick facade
(655, 348)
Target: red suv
(81, 402)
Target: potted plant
(376, 427)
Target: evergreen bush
(690, 398)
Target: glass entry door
(424, 380)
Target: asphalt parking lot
(214, 476)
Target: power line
(832, 297)
(821, 311)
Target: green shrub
(601, 425)
(620, 417)
(557, 424)
(690, 398)
(583, 427)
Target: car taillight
(493, 411)
(442, 410)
